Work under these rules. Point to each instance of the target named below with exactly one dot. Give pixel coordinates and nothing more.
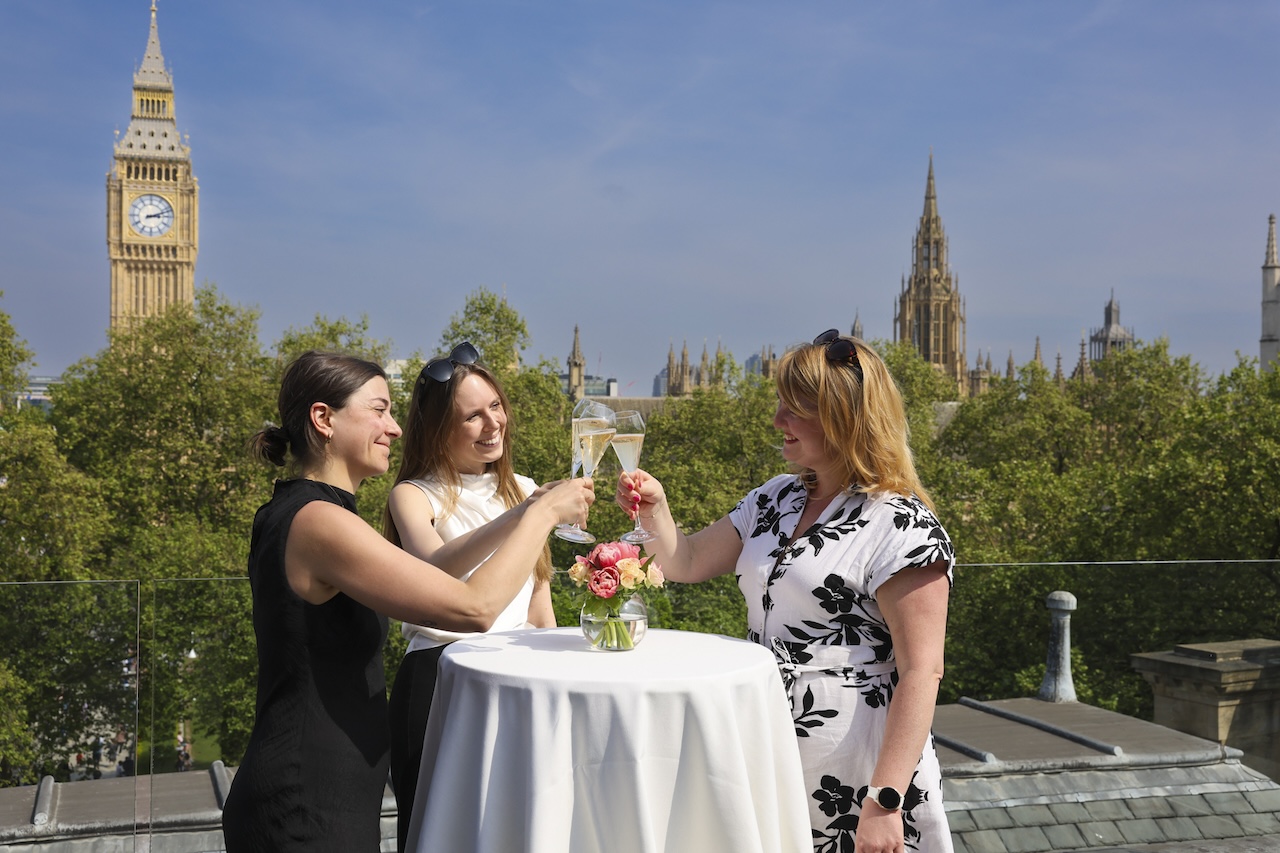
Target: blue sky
(747, 173)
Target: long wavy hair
(864, 423)
(428, 426)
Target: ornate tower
(577, 370)
(1269, 344)
(152, 201)
(1112, 336)
(930, 312)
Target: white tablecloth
(538, 743)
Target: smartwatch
(889, 799)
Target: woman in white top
(455, 486)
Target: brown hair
(429, 425)
(864, 423)
(313, 377)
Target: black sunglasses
(840, 350)
(441, 369)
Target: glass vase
(614, 626)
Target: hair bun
(271, 444)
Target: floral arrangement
(610, 573)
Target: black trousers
(407, 712)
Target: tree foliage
(15, 358)
(125, 515)
(494, 327)
(1143, 461)
(160, 419)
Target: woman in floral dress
(846, 573)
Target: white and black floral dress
(813, 602)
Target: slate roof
(1025, 776)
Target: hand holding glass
(628, 438)
(592, 428)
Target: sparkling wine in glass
(627, 440)
(590, 420)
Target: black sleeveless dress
(313, 774)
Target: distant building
(1112, 337)
(1269, 344)
(980, 376)
(930, 312)
(37, 392)
(660, 383)
(153, 232)
(682, 378)
(577, 384)
(592, 386)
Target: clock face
(151, 215)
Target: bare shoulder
(408, 501)
(323, 538)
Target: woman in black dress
(323, 583)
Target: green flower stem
(621, 637)
(614, 634)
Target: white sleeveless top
(478, 503)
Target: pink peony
(609, 553)
(604, 582)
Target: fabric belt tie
(824, 658)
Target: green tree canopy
(15, 358)
(160, 418)
(496, 329)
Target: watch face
(887, 798)
(151, 215)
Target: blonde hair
(864, 423)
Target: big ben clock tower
(152, 201)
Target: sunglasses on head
(441, 369)
(840, 350)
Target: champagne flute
(592, 428)
(591, 413)
(627, 440)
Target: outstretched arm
(710, 552)
(415, 522)
(331, 550)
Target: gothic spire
(1271, 243)
(930, 194)
(153, 130)
(576, 354)
(1083, 370)
(152, 73)
(1036, 358)
(1011, 372)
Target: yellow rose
(656, 578)
(631, 571)
(580, 571)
